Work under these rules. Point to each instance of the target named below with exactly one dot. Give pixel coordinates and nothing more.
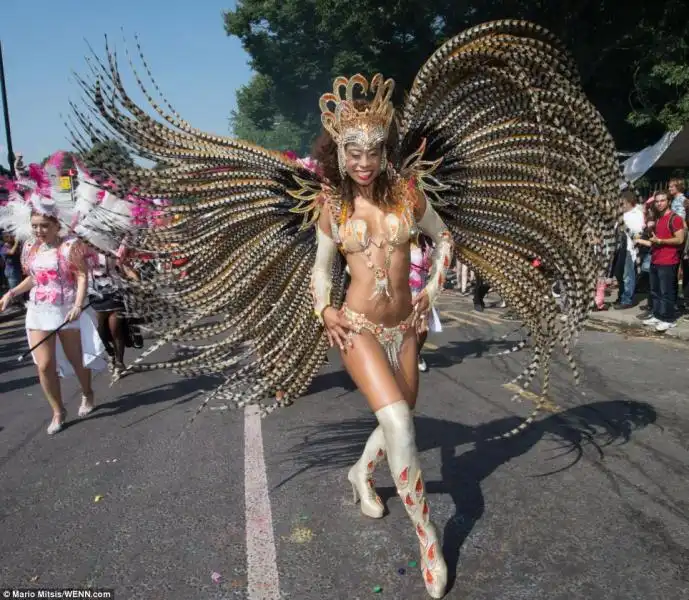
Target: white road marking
(261, 556)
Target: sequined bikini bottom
(390, 338)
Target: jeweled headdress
(349, 125)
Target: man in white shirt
(633, 225)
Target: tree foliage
(110, 151)
(661, 82)
(277, 134)
(632, 59)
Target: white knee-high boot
(398, 430)
(361, 475)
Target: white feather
(104, 223)
(15, 216)
(86, 195)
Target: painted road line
(548, 406)
(261, 556)
(457, 320)
(475, 315)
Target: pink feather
(56, 160)
(38, 174)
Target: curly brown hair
(325, 152)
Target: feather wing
(236, 252)
(528, 168)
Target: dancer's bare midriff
(386, 310)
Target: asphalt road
(591, 503)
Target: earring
(384, 160)
(342, 161)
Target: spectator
(676, 187)
(11, 257)
(666, 243)
(685, 263)
(106, 300)
(633, 226)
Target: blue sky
(197, 66)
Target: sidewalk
(630, 318)
(624, 319)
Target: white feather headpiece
(37, 191)
(90, 211)
(101, 218)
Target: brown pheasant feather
(531, 172)
(240, 305)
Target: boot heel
(370, 506)
(355, 494)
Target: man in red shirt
(666, 243)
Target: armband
(432, 225)
(322, 274)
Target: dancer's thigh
(368, 367)
(44, 355)
(71, 344)
(407, 376)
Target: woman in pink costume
(56, 279)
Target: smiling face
(45, 229)
(363, 165)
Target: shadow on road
(180, 391)
(332, 379)
(454, 352)
(600, 424)
(19, 384)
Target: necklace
(381, 274)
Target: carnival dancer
(107, 301)
(56, 279)
(496, 151)
(421, 262)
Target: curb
(681, 332)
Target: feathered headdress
(100, 216)
(347, 124)
(37, 191)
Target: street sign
(65, 184)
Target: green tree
(109, 152)
(297, 47)
(257, 118)
(661, 82)
(280, 134)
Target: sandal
(56, 426)
(87, 406)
